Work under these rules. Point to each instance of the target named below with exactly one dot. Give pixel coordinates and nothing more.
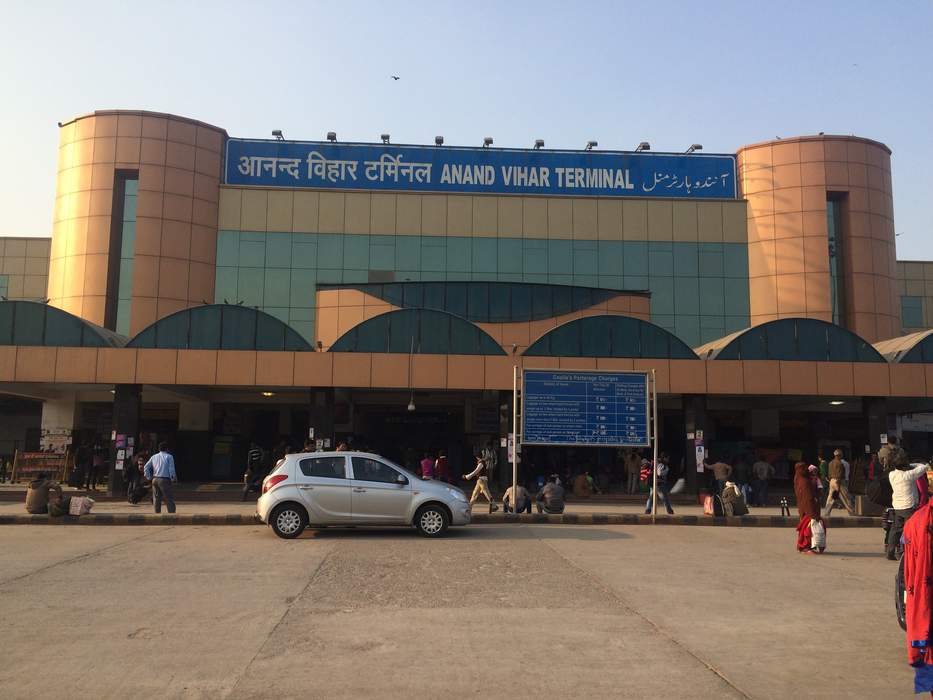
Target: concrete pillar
(58, 419)
(127, 407)
(694, 420)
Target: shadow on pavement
(587, 533)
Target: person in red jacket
(808, 507)
(919, 601)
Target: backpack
(879, 491)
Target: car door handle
(359, 490)
(306, 487)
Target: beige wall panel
(358, 215)
(236, 368)
(305, 206)
(459, 215)
(559, 218)
(534, 217)
(509, 214)
(485, 216)
(585, 218)
(635, 220)
(660, 220)
(279, 210)
(197, 367)
(408, 211)
(331, 213)
(382, 208)
(685, 222)
(275, 369)
(434, 215)
(609, 219)
(314, 369)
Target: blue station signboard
(446, 169)
(597, 409)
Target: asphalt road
(491, 611)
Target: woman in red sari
(807, 506)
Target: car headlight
(457, 494)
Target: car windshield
(397, 467)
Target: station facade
(217, 291)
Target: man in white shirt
(905, 498)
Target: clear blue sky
(722, 74)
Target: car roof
(335, 453)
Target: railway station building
(215, 291)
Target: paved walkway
(598, 612)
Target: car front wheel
(288, 521)
(431, 521)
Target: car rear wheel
(288, 521)
(431, 521)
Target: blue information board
(599, 409)
(355, 166)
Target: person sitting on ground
(550, 498)
(733, 502)
(581, 486)
(522, 500)
(40, 492)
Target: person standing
(904, 500)
(837, 486)
(442, 467)
(891, 454)
(427, 467)
(482, 484)
(161, 470)
(808, 508)
(721, 472)
(762, 471)
(664, 489)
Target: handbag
(817, 535)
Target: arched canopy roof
(220, 327)
(489, 302)
(915, 347)
(610, 336)
(792, 339)
(34, 323)
(422, 331)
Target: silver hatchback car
(356, 488)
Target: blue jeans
(663, 494)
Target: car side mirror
(401, 480)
